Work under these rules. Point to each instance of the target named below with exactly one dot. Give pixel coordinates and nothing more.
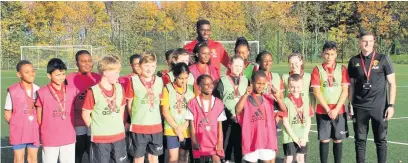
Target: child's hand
(275, 92)
(180, 137)
(219, 146)
(127, 126)
(249, 90)
(196, 146)
(234, 119)
(303, 142)
(333, 114)
(296, 140)
(178, 130)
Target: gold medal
(30, 118)
(63, 117)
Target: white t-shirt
(9, 104)
(190, 116)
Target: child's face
(204, 55)
(295, 87)
(85, 63)
(148, 69)
(295, 64)
(169, 60)
(330, 56)
(182, 79)
(236, 66)
(112, 76)
(136, 66)
(182, 58)
(27, 73)
(266, 63)
(57, 77)
(259, 84)
(243, 52)
(206, 86)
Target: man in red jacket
(218, 53)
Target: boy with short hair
(255, 112)
(144, 94)
(20, 114)
(134, 63)
(296, 121)
(103, 113)
(330, 83)
(82, 80)
(55, 115)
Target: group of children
(189, 110)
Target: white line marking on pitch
(391, 142)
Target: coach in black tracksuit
(369, 74)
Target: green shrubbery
(399, 59)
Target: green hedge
(399, 59)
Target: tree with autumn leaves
(132, 27)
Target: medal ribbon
(180, 99)
(110, 100)
(61, 103)
(202, 108)
(369, 69)
(30, 102)
(236, 91)
(299, 110)
(150, 93)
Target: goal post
(40, 55)
(230, 45)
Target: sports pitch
(397, 127)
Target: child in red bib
(55, 114)
(206, 114)
(255, 113)
(20, 114)
(82, 80)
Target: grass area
(397, 131)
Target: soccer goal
(40, 55)
(230, 45)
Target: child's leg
(267, 155)
(300, 158)
(32, 152)
(99, 153)
(19, 151)
(173, 155)
(324, 130)
(119, 149)
(155, 146)
(173, 145)
(236, 128)
(80, 147)
(67, 153)
(183, 156)
(50, 154)
(288, 159)
(138, 147)
(216, 159)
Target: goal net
(230, 45)
(40, 55)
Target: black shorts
(332, 129)
(142, 143)
(109, 152)
(291, 149)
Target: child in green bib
(296, 121)
(229, 90)
(176, 94)
(297, 66)
(103, 110)
(144, 94)
(330, 82)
